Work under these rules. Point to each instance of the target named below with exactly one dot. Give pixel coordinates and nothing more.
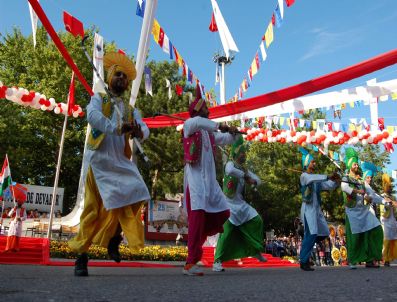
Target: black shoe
(306, 267)
(113, 248)
(80, 266)
(371, 265)
(387, 263)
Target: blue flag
(140, 8)
(277, 14)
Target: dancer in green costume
(243, 231)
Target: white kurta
(389, 224)
(16, 226)
(205, 192)
(312, 211)
(360, 217)
(240, 210)
(118, 179)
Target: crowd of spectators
(32, 214)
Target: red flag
(289, 2)
(273, 19)
(73, 25)
(161, 38)
(389, 147)
(381, 123)
(71, 95)
(121, 51)
(178, 89)
(213, 27)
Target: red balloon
(385, 134)
(3, 92)
(81, 114)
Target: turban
(238, 148)
(386, 183)
(306, 158)
(115, 61)
(369, 169)
(351, 157)
(197, 104)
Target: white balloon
(43, 107)
(364, 142)
(384, 141)
(75, 114)
(389, 139)
(260, 136)
(269, 133)
(370, 140)
(57, 110)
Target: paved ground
(49, 283)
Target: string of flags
(162, 39)
(267, 39)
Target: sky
(316, 38)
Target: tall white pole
(222, 86)
(144, 42)
(54, 191)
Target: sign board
(165, 219)
(39, 197)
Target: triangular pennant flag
(178, 89)
(148, 80)
(34, 19)
(140, 8)
(289, 2)
(269, 35)
(279, 18)
(73, 25)
(168, 85)
(213, 27)
(263, 51)
(5, 176)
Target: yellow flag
(269, 35)
(156, 31)
(352, 127)
(314, 124)
(394, 96)
(331, 153)
(254, 68)
(282, 119)
(390, 129)
(351, 104)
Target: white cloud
(326, 42)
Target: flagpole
(12, 187)
(54, 191)
(144, 42)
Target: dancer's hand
(137, 131)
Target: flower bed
(60, 249)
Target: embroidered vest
(307, 192)
(230, 185)
(192, 147)
(96, 136)
(350, 200)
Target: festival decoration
(343, 253)
(335, 254)
(332, 231)
(36, 100)
(319, 137)
(341, 231)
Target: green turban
(351, 157)
(238, 148)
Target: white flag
(33, 19)
(226, 38)
(166, 44)
(281, 6)
(168, 85)
(263, 51)
(97, 86)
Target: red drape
(288, 93)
